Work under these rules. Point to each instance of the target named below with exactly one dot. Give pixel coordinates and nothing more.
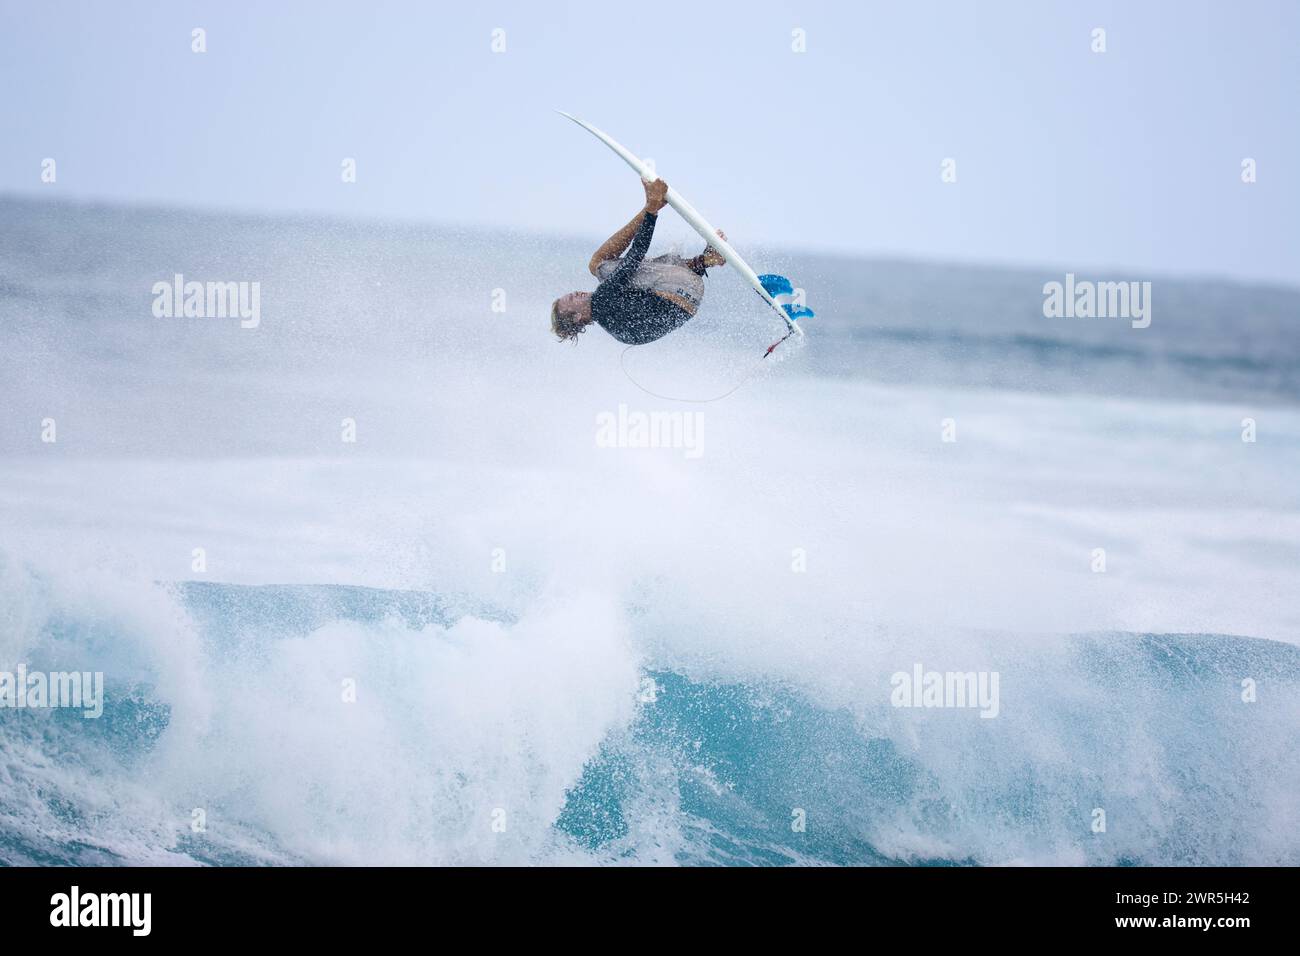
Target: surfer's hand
(712, 257)
(656, 195)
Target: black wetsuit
(636, 316)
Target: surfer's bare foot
(712, 257)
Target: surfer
(638, 300)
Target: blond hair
(565, 325)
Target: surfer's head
(570, 315)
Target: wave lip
(551, 719)
(1150, 729)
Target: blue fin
(776, 285)
(797, 312)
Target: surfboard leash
(622, 364)
(772, 348)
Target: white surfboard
(694, 219)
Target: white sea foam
(826, 537)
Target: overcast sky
(1127, 160)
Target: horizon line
(212, 210)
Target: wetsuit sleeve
(627, 266)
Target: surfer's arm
(613, 246)
(656, 197)
(628, 265)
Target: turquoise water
(704, 771)
(477, 635)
